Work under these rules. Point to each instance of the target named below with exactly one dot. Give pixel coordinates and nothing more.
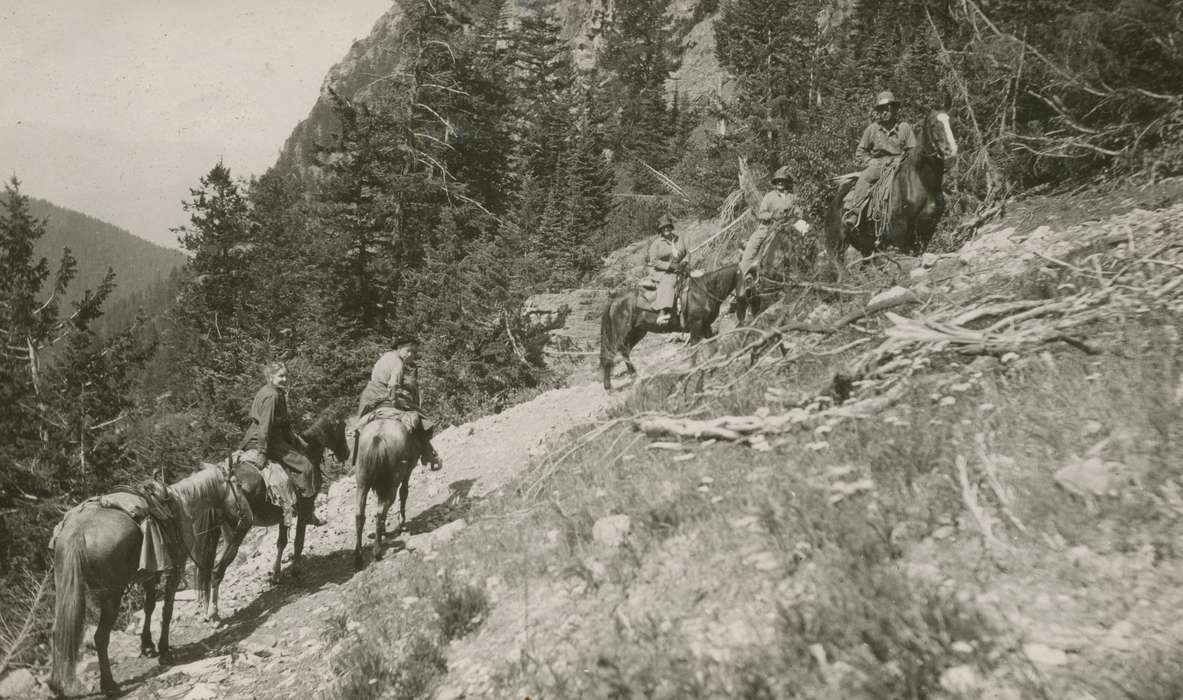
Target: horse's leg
(403, 488)
(171, 580)
(359, 519)
(147, 648)
(281, 543)
(108, 611)
(384, 503)
(305, 509)
(635, 334)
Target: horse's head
(938, 132)
(335, 439)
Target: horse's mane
(719, 272)
(201, 487)
(921, 152)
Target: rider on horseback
(666, 259)
(777, 208)
(270, 432)
(884, 140)
(394, 383)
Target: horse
(791, 254)
(97, 552)
(623, 323)
(916, 199)
(326, 433)
(387, 453)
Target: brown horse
(790, 255)
(624, 323)
(387, 454)
(326, 433)
(97, 555)
(917, 201)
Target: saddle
(647, 292)
(876, 205)
(154, 510)
(280, 491)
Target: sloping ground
(998, 529)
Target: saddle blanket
(410, 419)
(162, 546)
(280, 491)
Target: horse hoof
(295, 571)
(110, 689)
(273, 579)
(357, 563)
(166, 658)
(148, 651)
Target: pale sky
(115, 107)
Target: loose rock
(611, 530)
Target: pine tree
(639, 54)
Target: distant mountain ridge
(98, 245)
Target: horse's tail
(70, 604)
(379, 458)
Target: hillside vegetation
(471, 155)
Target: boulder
(611, 530)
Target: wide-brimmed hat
(400, 340)
(666, 221)
(885, 98)
(782, 173)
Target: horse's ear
(947, 104)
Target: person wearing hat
(394, 383)
(665, 259)
(776, 208)
(884, 139)
(270, 433)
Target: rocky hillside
(990, 515)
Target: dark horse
(624, 324)
(326, 432)
(917, 201)
(387, 453)
(96, 554)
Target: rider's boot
(663, 317)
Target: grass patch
(460, 608)
(366, 671)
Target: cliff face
(375, 56)
(699, 79)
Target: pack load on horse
(631, 313)
(277, 452)
(135, 534)
(270, 496)
(896, 200)
(778, 207)
(667, 262)
(391, 436)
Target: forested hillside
(468, 155)
(145, 273)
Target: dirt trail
(270, 644)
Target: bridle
(241, 504)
